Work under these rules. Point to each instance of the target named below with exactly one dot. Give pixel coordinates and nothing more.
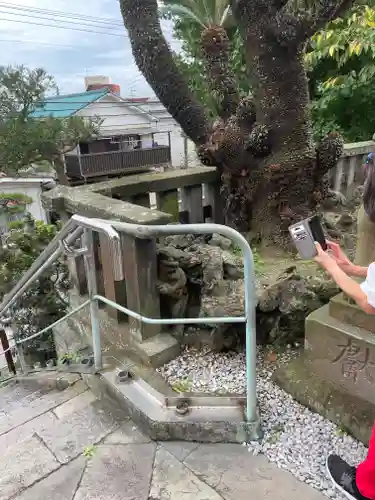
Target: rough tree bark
(216, 51)
(272, 173)
(154, 59)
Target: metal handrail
(143, 231)
(110, 228)
(70, 232)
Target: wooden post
(76, 265)
(213, 199)
(8, 355)
(167, 201)
(98, 266)
(192, 202)
(113, 290)
(140, 268)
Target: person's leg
(355, 483)
(365, 477)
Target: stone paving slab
(124, 464)
(13, 393)
(74, 404)
(179, 449)
(26, 430)
(237, 474)
(23, 464)
(26, 409)
(171, 480)
(69, 437)
(23, 398)
(118, 473)
(128, 433)
(60, 485)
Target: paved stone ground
(64, 445)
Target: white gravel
(295, 438)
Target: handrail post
(92, 291)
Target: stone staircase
(60, 442)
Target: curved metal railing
(78, 226)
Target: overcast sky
(69, 54)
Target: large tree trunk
(283, 189)
(272, 173)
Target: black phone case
(317, 231)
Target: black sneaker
(343, 476)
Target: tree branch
(216, 50)
(327, 11)
(154, 59)
(253, 9)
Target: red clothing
(365, 477)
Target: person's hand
(339, 256)
(324, 259)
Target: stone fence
(179, 196)
(188, 196)
(349, 172)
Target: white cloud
(70, 54)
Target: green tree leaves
(25, 140)
(340, 61)
(44, 302)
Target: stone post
(192, 203)
(214, 201)
(113, 290)
(140, 268)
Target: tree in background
(44, 302)
(25, 140)
(341, 64)
(262, 144)
(339, 61)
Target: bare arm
(349, 286)
(358, 271)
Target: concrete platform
(68, 446)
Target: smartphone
(317, 231)
(304, 235)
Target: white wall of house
(166, 122)
(121, 117)
(118, 117)
(178, 149)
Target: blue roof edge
(101, 93)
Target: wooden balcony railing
(113, 162)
